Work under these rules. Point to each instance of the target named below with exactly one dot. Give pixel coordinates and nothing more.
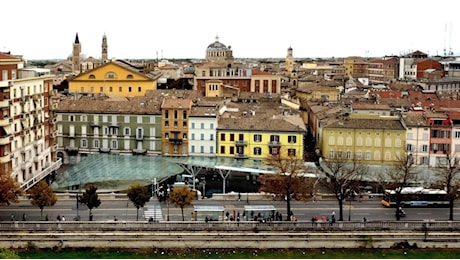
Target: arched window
(130, 76)
(92, 76)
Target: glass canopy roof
(112, 173)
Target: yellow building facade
(175, 116)
(259, 144)
(113, 79)
(370, 141)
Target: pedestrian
(46, 217)
(239, 196)
(58, 217)
(115, 218)
(206, 219)
(12, 217)
(364, 219)
(63, 218)
(23, 216)
(193, 216)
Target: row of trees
(344, 175)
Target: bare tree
(289, 180)
(402, 174)
(342, 176)
(449, 170)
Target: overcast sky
(46, 29)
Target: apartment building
(96, 124)
(417, 136)
(440, 136)
(370, 141)
(203, 121)
(27, 144)
(175, 125)
(258, 131)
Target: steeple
(104, 55)
(77, 41)
(76, 55)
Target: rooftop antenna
(451, 53)
(445, 37)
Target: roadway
(123, 209)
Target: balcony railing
(274, 144)
(241, 142)
(175, 141)
(241, 156)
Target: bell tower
(104, 55)
(289, 61)
(76, 55)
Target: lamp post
(204, 189)
(167, 201)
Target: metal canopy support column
(192, 170)
(224, 174)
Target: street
(123, 210)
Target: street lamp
(204, 189)
(167, 201)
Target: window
(202, 125)
(184, 136)
(291, 152)
(166, 114)
(211, 126)
(127, 131)
(202, 149)
(184, 124)
(129, 89)
(222, 149)
(166, 123)
(166, 135)
(201, 136)
(409, 148)
(114, 144)
(193, 136)
(120, 89)
(130, 76)
(84, 143)
(110, 89)
(292, 139)
(257, 138)
(72, 118)
(139, 89)
(424, 148)
(193, 125)
(101, 89)
(457, 134)
(367, 156)
(410, 136)
(257, 151)
(359, 155)
(96, 143)
(111, 75)
(232, 137)
(175, 114)
(331, 154)
(232, 149)
(222, 137)
(184, 114)
(274, 138)
(192, 148)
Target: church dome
(217, 46)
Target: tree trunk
(41, 213)
(451, 209)
(288, 205)
(182, 210)
(137, 214)
(341, 209)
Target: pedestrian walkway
(153, 210)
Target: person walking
(23, 216)
(13, 218)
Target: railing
(34, 180)
(275, 226)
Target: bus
(416, 197)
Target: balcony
(241, 143)
(36, 159)
(5, 103)
(114, 124)
(274, 144)
(241, 156)
(6, 158)
(175, 141)
(4, 140)
(139, 151)
(5, 121)
(94, 124)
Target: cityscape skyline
(254, 29)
